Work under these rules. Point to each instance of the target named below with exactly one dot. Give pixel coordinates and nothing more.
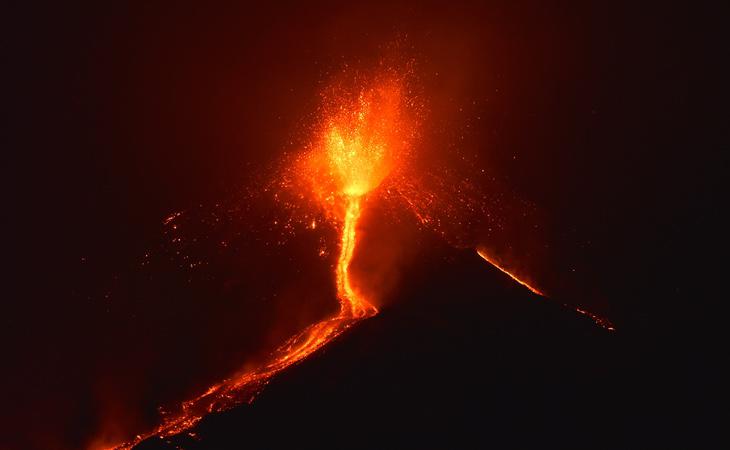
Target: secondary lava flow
(491, 261)
(600, 321)
(358, 144)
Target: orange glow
(359, 143)
(511, 275)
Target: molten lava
(354, 306)
(359, 143)
(600, 321)
(491, 261)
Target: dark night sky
(606, 118)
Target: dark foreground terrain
(470, 359)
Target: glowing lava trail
(600, 321)
(360, 140)
(355, 306)
(511, 275)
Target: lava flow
(600, 321)
(491, 261)
(357, 146)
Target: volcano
(358, 225)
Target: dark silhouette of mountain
(466, 358)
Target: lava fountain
(361, 138)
